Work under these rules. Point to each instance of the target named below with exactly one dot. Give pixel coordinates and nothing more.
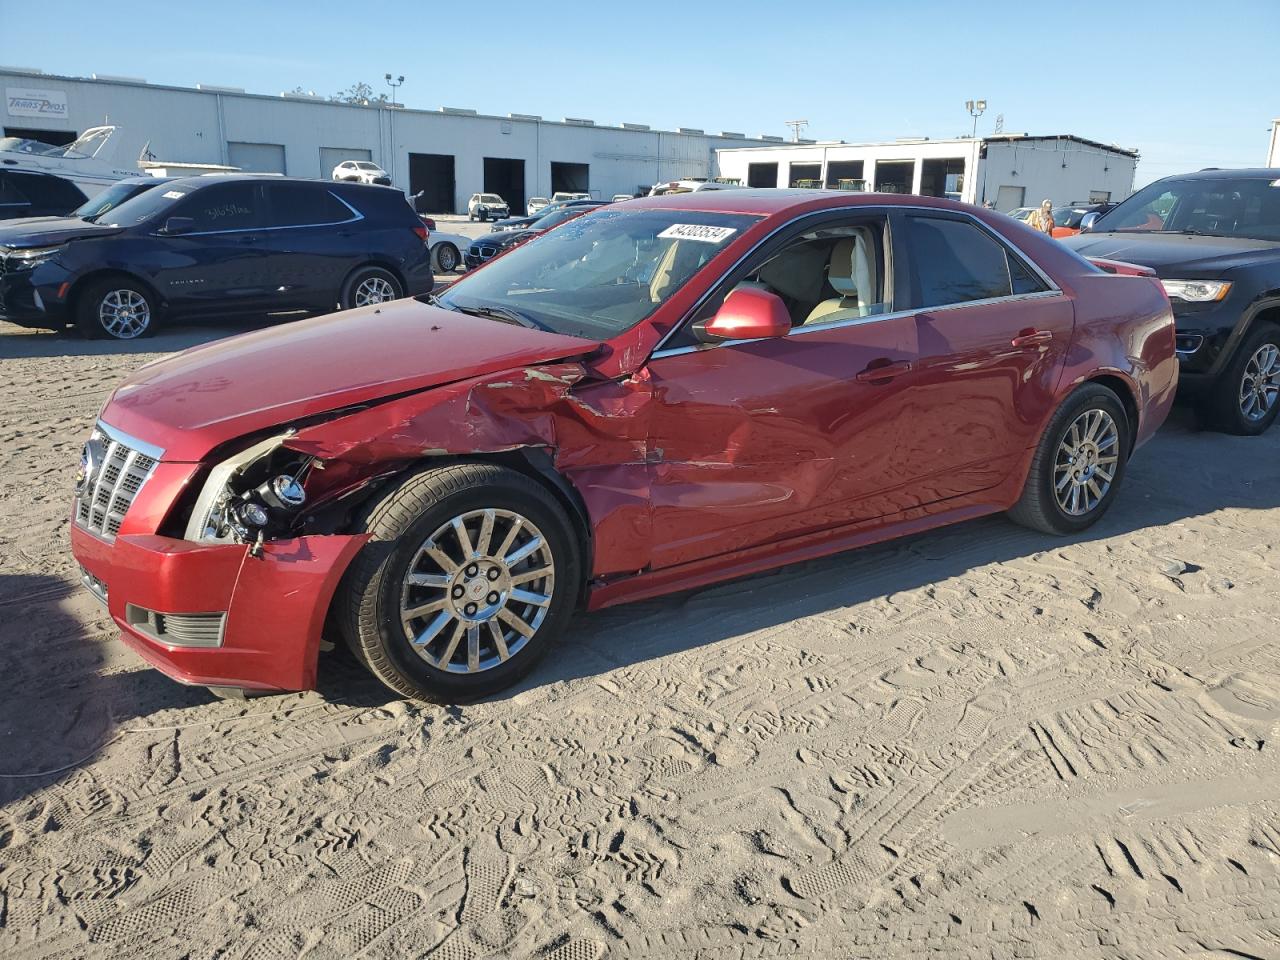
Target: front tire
(470, 573)
(369, 286)
(116, 309)
(1246, 398)
(1078, 464)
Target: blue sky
(1189, 84)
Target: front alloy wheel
(117, 309)
(470, 572)
(477, 590)
(1244, 399)
(1260, 384)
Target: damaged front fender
(594, 431)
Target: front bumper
(28, 299)
(275, 605)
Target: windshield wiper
(505, 315)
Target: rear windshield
(1226, 207)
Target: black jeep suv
(1213, 238)
(214, 246)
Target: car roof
(1225, 173)
(205, 180)
(769, 202)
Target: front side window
(299, 205)
(51, 193)
(10, 194)
(600, 274)
(227, 206)
(957, 262)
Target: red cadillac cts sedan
(661, 394)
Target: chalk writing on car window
(226, 210)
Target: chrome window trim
(355, 218)
(859, 321)
(148, 450)
(661, 350)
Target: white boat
(86, 162)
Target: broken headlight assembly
(252, 496)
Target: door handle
(880, 372)
(1031, 337)
(247, 240)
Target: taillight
(431, 224)
(421, 231)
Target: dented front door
(759, 441)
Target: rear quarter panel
(1125, 329)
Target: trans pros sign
(24, 102)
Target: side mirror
(176, 225)
(748, 313)
(1087, 221)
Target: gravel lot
(975, 742)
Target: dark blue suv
(214, 246)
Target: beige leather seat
(851, 274)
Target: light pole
(976, 109)
(398, 81)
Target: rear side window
(227, 206)
(956, 262)
(301, 205)
(49, 193)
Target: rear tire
(368, 286)
(447, 258)
(436, 621)
(1243, 400)
(116, 308)
(1078, 465)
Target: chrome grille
(119, 466)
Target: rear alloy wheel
(368, 287)
(1246, 399)
(470, 573)
(447, 258)
(118, 309)
(1078, 464)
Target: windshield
(145, 206)
(490, 198)
(600, 274)
(1235, 207)
(32, 147)
(111, 198)
(365, 165)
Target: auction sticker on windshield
(697, 231)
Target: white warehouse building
(1008, 170)
(448, 154)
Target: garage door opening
(894, 176)
(570, 177)
(845, 175)
(806, 175)
(256, 157)
(942, 178)
(330, 157)
(506, 178)
(431, 182)
(59, 138)
(762, 175)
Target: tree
(360, 93)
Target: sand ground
(976, 742)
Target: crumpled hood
(191, 402)
(47, 231)
(1171, 254)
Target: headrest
(840, 270)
